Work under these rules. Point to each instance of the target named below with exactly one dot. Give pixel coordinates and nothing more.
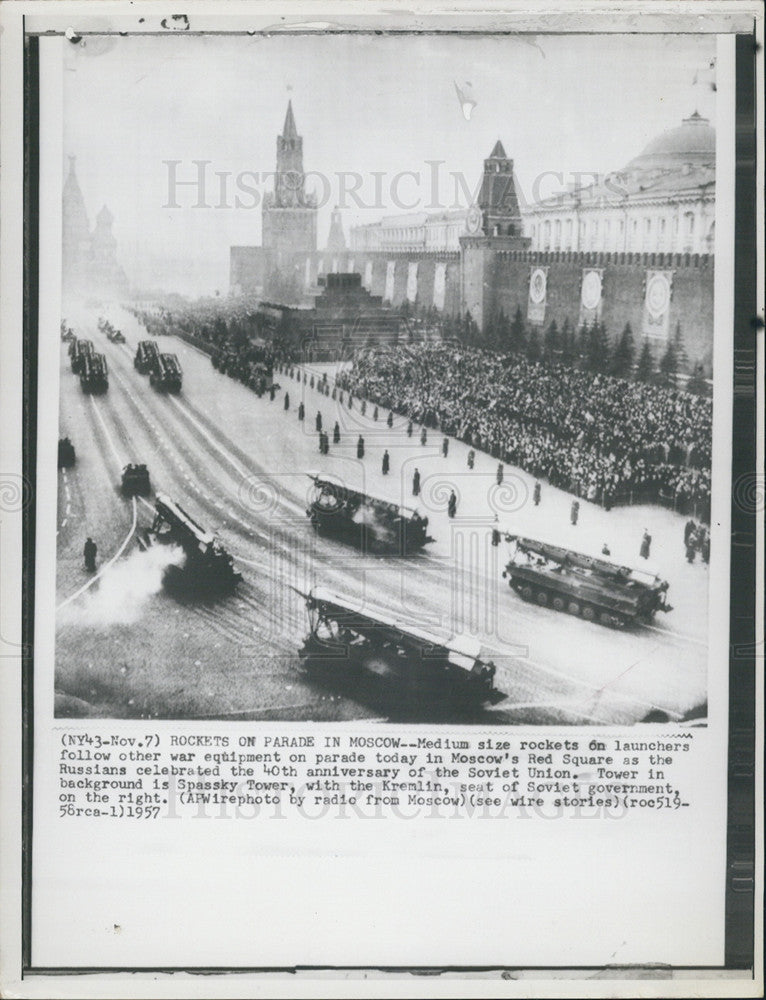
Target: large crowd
(603, 438)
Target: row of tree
(589, 349)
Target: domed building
(662, 201)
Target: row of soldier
(696, 537)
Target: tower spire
(289, 131)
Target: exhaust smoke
(122, 592)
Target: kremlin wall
(663, 215)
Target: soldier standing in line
(536, 494)
(500, 473)
(452, 504)
(375, 413)
(445, 446)
(311, 382)
(691, 547)
(350, 402)
(319, 421)
(336, 433)
(471, 458)
(423, 436)
(574, 511)
(689, 529)
(301, 411)
(646, 544)
(386, 463)
(321, 443)
(272, 392)
(390, 420)
(340, 398)
(364, 406)
(495, 533)
(90, 550)
(287, 400)
(416, 483)
(409, 429)
(360, 447)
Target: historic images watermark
(198, 184)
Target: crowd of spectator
(607, 439)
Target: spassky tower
(289, 212)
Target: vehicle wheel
(573, 608)
(558, 603)
(589, 613)
(542, 598)
(526, 593)
(606, 619)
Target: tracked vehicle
(146, 357)
(135, 481)
(166, 373)
(66, 454)
(364, 520)
(593, 588)
(94, 376)
(78, 351)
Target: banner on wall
(538, 293)
(388, 293)
(591, 296)
(659, 289)
(412, 281)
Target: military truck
(66, 453)
(78, 351)
(207, 566)
(365, 520)
(135, 481)
(146, 357)
(166, 373)
(594, 588)
(420, 667)
(94, 377)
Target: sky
(366, 105)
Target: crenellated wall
(486, 277)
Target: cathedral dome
(692, 142)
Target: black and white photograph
(384, 395)
(379, 499)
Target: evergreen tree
(518, 332)
(622, 361)
(551, 342)
(682, 358)
(581, 346)
(669, 364)
(503, 333)
(592, 356)
(533, 345)
(645, 364)
(567, 343)
(602, 348)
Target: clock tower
(493, 225)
